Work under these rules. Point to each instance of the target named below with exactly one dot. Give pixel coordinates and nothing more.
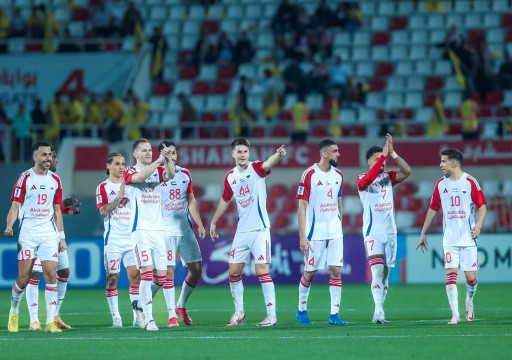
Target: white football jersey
(250, 193)
(37, 195)
(457, 199)
(145, 200)
(376, 194)
(117, 223)
(321, 190)
(175, 203)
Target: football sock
(170, 297)
(269, 294)
(377, 285)
(32, 293)
(16, 296)
(471, 289)
(158, 282)
(186, 289)
(62, 286)
(113, 302)
(146, 302)
(386, 284)
(335, 291)
(304, 287)
(237, 292)
(451, 292)
(51, 295)
(134, 295)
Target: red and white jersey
(144, 199)
(250, 193)
(457, 198)
(321, 190)
(117, 223)
(37, 194)
(376, 194)
(175, 203)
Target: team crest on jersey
(328, 182)
(174, 183)
(300, 190)
(42, 187)
(319, 183)
(33, 187)
(17, 192)
(464, 191)
(455, 190)
(184, 182)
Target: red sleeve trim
(128, 174)
(227, 194)
(101, 196)
(258, 167)
(190, 188)
(304, 190)
(435, 201)
(363, 181)
(58, 193)
(477, 194)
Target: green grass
(417, 330)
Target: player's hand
(122, 190)
(213, 231)
(201, 232)
(385, 149)
(70, 202)
(423, 244)
(389, 140)
(74, 211)
(8, 232)
(475, 232)
(62, 245)
(281, 151)
(305, 246)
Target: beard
(333, 163)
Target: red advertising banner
(474, 152)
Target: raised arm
(274, 159)
(193, 209)
(405, 169)
(146, 172)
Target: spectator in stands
(36, 23)
(270, 97)
(294, 79)
(158, 51)
(131, 18)
(93, 115)
(224, 49)
(103, 21)
(303, 20)
(4, 120)
(135, 117)
(244, 51)
(468, 114)
(76, 113)
(321, 43)
(484, 79)
(4, 29)
(18, 26)
(22, 124)
(113, 111)
(323, 15)
(300, 117)
(57, 113)
(469, 65)
(39, 120)
(51, 29)
(285, 18)
(453, 40)
(340, 15)
(188, 115)
(505, 125)
(355, 18)
(340, 73)
(355, 94)
(505, 73)
(320, 76)
(239, 113)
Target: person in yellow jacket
(468, 114)
(300, 117)
(58, 113)
(51, 30)
(135, 117)
(5, 25)
(76, 112)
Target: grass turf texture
(418, 329)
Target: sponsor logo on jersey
(445, 191)
(270, 304)
(17, 192)
(98, 199)
(300, 190)
(33, 187)
(319, 183)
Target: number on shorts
(115, 264)
(371, 244)
(448, 258)
(41, 199)
(144, 255)
(174, 194)
(169, 255)
(26, 254)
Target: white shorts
(46, 247)
(256, 243)
(62, 262)
(463, 257)
(324, 253)
(113, 255)
(186, 246)
(149, 249)
(384, 245)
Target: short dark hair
(373, 150)
(453, 154)
(166, 143)
(240, 141)
(111, 157)
(137, 142)
(325, 143)
(38, 144)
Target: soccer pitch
(418, 329)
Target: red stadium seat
(405, 189)
(398, 23)
(278, 190)
(429, 100)
(290, 206)
(384, 69)
(206, 206)
(226, 72)
(358, 130)
(455, 129)
(281, 222)
(285, 116)
(210, 26)
(413, 204)
(319, 131)
(221, 133)
(80, 14)
(475, 36)
(280, 131)
(198, 191)
(204, 133)
(325, 115)
(377, 84)
(493, 98)
(506, 20)
(201, 88)
(485, 112)
(415, 130)
(380, 38)
(433, 83)
(258, 132)
(209, 117)
(220, 87)
(185, 57)
(188, 72)
(163, 88)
